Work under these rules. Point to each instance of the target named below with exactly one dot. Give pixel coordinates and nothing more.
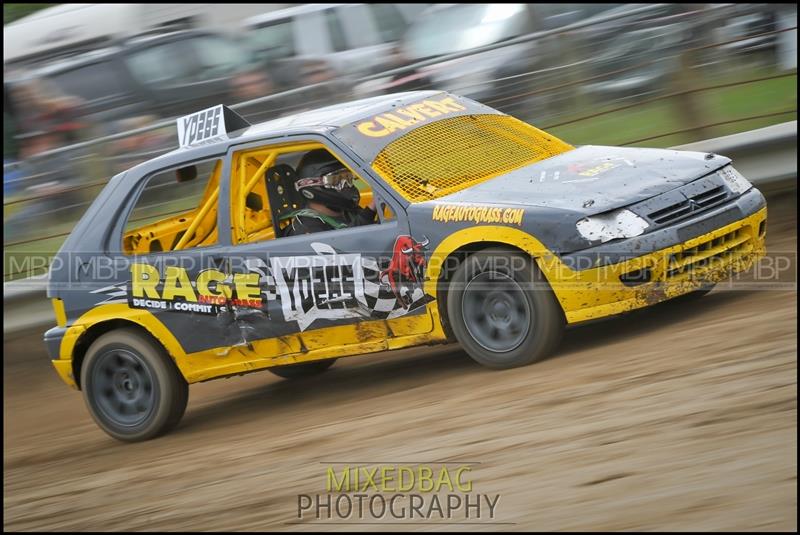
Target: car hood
(593, 179)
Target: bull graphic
(406, 270)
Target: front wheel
(502, 311)
(132, 389)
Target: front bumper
(53, 340)
(650, 278)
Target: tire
(131, 386)
(304, 369)
(502, 310)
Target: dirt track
(680, 417)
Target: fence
(656, 83)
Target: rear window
(452, 154)
(176, 210)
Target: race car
(488, 232)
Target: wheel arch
(96, 331)
(457, 247)
(106, 318)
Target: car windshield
(454, 29)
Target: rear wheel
(132, 388)
(502, 311)
(303, 369)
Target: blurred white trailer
(70, 28)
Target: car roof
(288, 12)
(313, 121)
(338, 115)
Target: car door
(174, 256)
(357, 286)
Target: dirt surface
(679, 417)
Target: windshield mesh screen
(452, 154)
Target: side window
(176, 210)
(265, 200)
(335, 30)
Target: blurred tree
(12, 12)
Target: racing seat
(283, 198)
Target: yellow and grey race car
(484, 230)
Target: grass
(663, 116)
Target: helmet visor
(338, 180)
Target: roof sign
(212, 123)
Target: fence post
(690, 108)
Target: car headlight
(611, 225)
(734, 179)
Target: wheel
(132, 388)
(304, 369)
(502, 311)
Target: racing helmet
(324, 179)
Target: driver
(332, 199)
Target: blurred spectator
(330, 88)
(46, 119)
(42, 107)
(136, 148)
(316, 71)
(408, 80)
(48, 180)
(12, 175)
(250, 85)
(10, 129)
(37, 142)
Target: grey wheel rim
(123, 387)
(496, 311)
